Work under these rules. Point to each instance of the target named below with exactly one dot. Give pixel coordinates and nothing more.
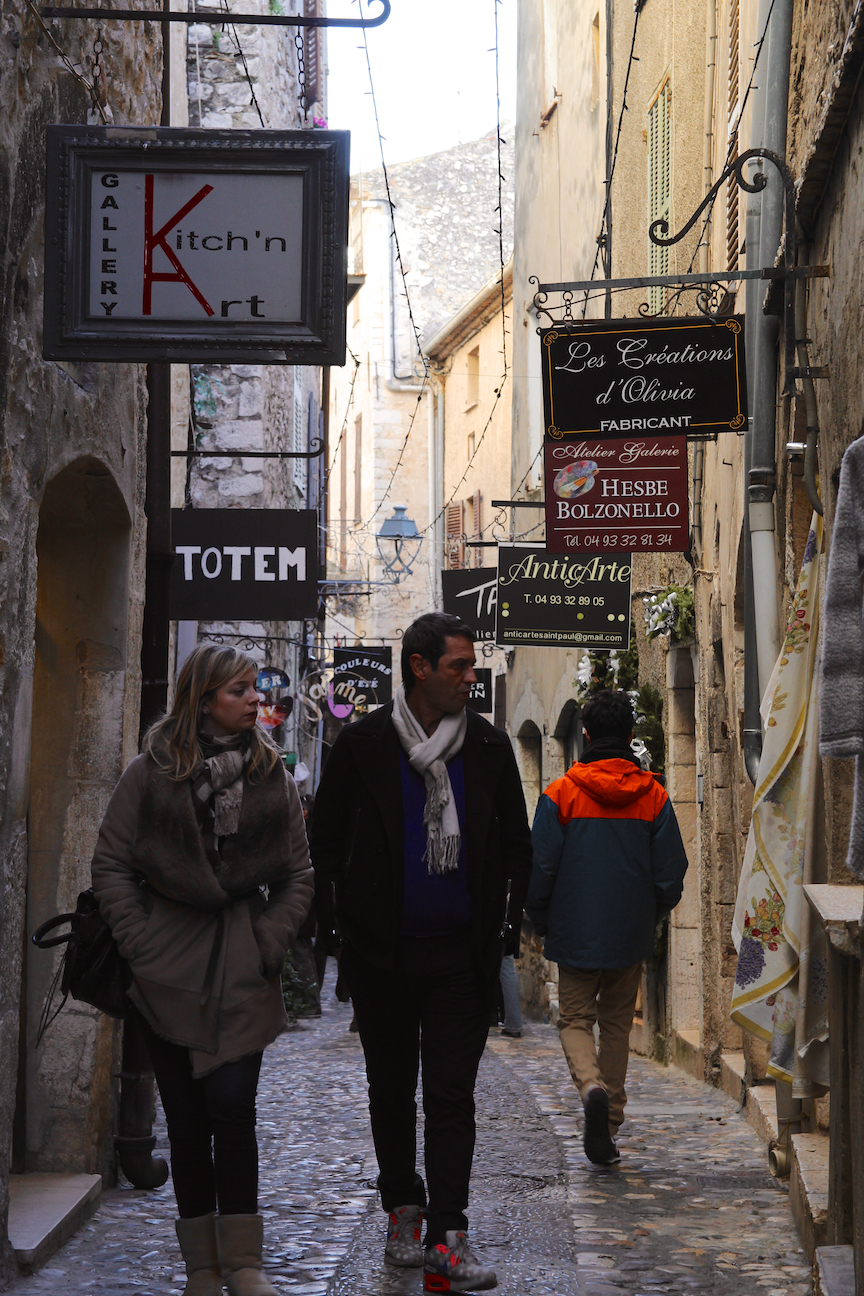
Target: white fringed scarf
(429, 756)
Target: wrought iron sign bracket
(215, 17)
(253, 454)
(708, 286)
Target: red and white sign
(621, 496)
(173, 246)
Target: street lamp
(400, 532)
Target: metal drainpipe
(763, 472)
(812, 413)
(752, 734)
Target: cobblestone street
(691, 1208)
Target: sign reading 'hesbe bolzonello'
(626, 495)
(562, 602)
(661, 377)
(195, 245)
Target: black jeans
(431, 1006)
(220, 1107)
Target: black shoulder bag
(92, 969)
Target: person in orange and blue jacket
(609, 862)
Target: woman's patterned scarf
(217, 788)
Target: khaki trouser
(606, 996)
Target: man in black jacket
(420, 823)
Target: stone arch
(527, 724)
(63, 1107)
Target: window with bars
(659, 183)
(454, 538)
(733, 237)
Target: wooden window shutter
(477, 512)
(659, 183)
(313, 53)
(733, 240)
(454, 541)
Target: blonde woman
(202, 873)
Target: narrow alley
(691, 1208)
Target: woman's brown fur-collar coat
(167, 930)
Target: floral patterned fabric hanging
(781, 992)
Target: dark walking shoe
(511, 1034)
(599, 1143)
(452, 1266)
(403, 1237)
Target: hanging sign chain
(301, 72)
(99, 88)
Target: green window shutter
(659, 183)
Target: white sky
(433, 72)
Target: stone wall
(71, 592)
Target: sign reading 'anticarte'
(562, 602)
(190, 244)
(613, 378)
(621, 495)
(244, 564)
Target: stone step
(834, 1271)
(45, 1210)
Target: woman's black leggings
(220, 1107)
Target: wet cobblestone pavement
(690, 1209)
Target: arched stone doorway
(63, 1110)
(529, 754)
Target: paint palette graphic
(574, 480)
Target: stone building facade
(72, 535)
(387, 412)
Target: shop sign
(662, 377)
(548, 600)
(195, 245)
(362, 677)
(471, 594)
(481, 692)
(244, 564)
(619, 496)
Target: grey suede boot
(197, 1238)
(240, 1240)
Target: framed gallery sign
(364, 671)
(548, 600)
(471, 594)
(660, 377)
(621, 496)
(244, 564)
(195, 245)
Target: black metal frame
(709, 290)
(213, 16)
(320, 157)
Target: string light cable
(499, 390)
(607, 205)
(242, 56)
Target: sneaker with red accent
(452, 1266)
(403, 1237)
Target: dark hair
(609, 714)
(428, 637)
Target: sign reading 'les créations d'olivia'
(544, 598)
(622, 494)
(613, 378)
(189, 244)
